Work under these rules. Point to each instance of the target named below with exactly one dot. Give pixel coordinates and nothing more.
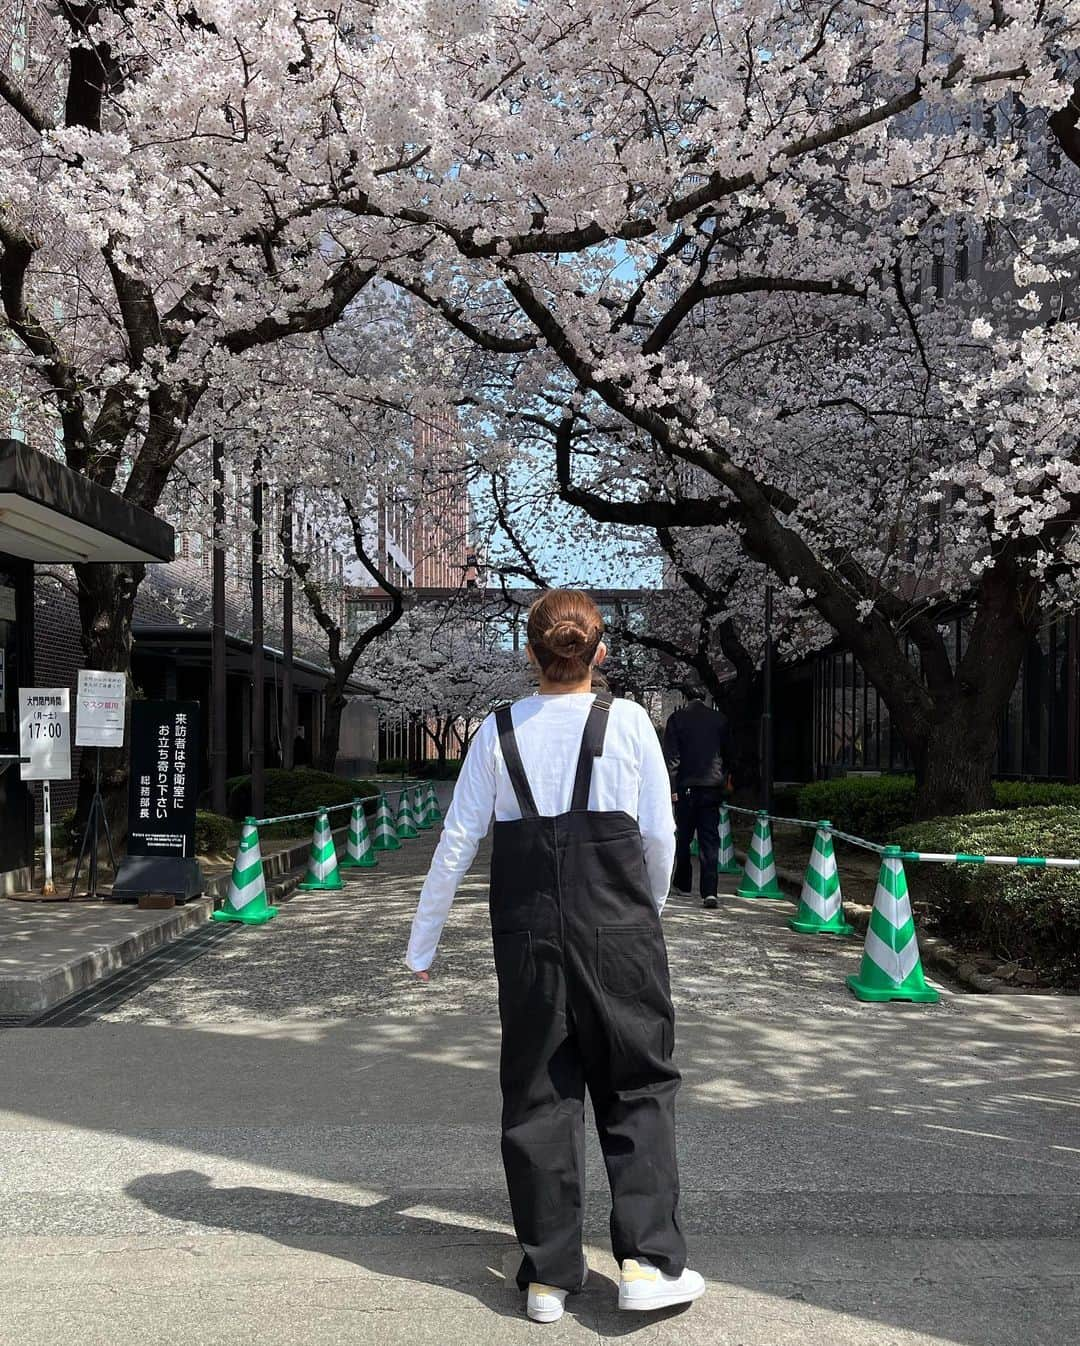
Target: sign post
(48, 888)
(99, 723)
(45, 746)
(162, 792)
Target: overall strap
(592, 745)
(505, 724)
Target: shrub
(1026, 916)
(295, 791)
(786, 800)
(1025, 794)
(870, 806)
(875, 806)
(66, 834)
(214, 835)
(450, 770)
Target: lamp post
(288, 715)
(218, 711)
(767, 706)
(258, 683)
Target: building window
(20, 37)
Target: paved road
(289, 1141)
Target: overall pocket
(625, 958)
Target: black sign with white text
(164, 781)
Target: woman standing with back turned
(581, 862)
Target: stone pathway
(291, 1142)
(338, 955)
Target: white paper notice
(99, 715)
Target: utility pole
(258, 680)
(288, 713)
(767, 706)
(218, 711)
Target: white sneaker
(643, 1286)
(547, 1302)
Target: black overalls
(584, 999)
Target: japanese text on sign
(164, 785)
(100, 713)
(44, 733)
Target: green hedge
(875, 806)
(214, 835)
(449, 770)
(395, 766)
(1027, 916)
(295, 791)
(870, 806)
(1025, 794)
(786, 801)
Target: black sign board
(164, 784)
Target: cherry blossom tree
(162, 215)
(609, 196)
(718, 270)
(447, 666)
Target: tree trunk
(740, 702)
(334, 703)
(106, 607)
(954, 766)
(955, 755)
(444, 734)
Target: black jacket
(697, 746)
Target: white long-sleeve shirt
(629, 776)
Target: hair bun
(568, 639)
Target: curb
(28, 997)
(935, 951)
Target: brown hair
(564, 630)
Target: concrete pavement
(290, 1141)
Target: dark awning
(49, 513)
(189, 646)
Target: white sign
(45, 733)
(99, 713)
(7, 604)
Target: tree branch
(698, 292)
(455, 316)
(20, 101)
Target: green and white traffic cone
(759, 875)
(726, 862)
(322, 871)
(891, 967)
(246, 900)
(359, 852)
(419, 809)
(406, 828)
(386, 837)
(821, 905)
(433, 805)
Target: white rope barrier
(330, 808)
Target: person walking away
(581, 862)
(697, 749)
